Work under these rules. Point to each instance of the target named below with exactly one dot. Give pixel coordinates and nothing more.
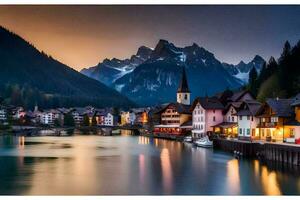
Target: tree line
(277, 78)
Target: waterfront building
(176, 118)
(247, 120)
(124, 117)
(272, 117)
(110, 119)
(78, 114)
(18, 112)
(206, 113)
(46, 117)
(229, 126)
(293, 125)
(3, 114)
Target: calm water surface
(121, 165)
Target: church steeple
(183, 86)
(183, 91)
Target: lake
(133, 165)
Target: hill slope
(23, 67)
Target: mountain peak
(258, 58)
(144, 52)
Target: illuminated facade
(247, 120)
(273, 117)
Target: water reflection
(233, 183)
(269, 182)
(166, 171)
(94, 165)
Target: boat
(188, 139)
(204, 142)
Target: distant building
(18, 112)
(3, 114)
(110, 119)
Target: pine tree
(253, 81)
(86, 120)
(69, 120)
(94, 121)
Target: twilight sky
(82, 36)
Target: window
(232, 119)
(274, 119)
(241, 131)
(185, 96)
(202, 119)
(251, 118)
(263, 132)
(263, 119)
(229, 118)
(253, 132)
(214, 118)
(292, 132)
(248, 117)
(241, 117)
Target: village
(234, 115)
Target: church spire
(183, 86)
(183, 92)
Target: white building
(247, 122)
(132, 117)
(109, 119)
(46, 118)
(3, 116)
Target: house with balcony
(273, 116)
(247, 120)
(206, 113)
(293, 125)
(229, 126)
(176, 118)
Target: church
(176, 117)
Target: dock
(278, 152)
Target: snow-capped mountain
(241, 70)
(110, 70)
(156, 79)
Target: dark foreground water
(121, 165)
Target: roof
(281, 107)
(231, 96)
(236, 105)
(180, 108)
(238, 95)
(292, 123)
(183, 86)
(187, 124)
(296, 103)
(249, 108)
(208, 103)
